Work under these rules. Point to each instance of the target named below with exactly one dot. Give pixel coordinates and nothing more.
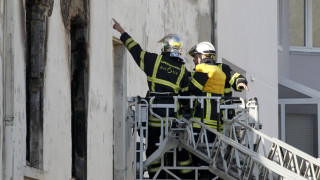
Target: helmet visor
(192, 52)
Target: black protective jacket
(164, 73)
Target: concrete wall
(146, 21)
(304, 69)
(56, 101)
(2, 19)
(247, 37)
(100, 116)
(283, 51)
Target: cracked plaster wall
(146, 21)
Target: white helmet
(205, 48)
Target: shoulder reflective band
(131, 45)
(155, 70)
(182, 71)
(233, 78)
(220, 66)
(195, 83)
(142, 60)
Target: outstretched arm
(117, 27)
(144, 60)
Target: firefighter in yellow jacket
(166, 76)
(211, 79)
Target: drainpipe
(214, 35)
(213, 24)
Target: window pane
(297, 22)
(316, 23)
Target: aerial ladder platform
(239, 152)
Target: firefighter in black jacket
(167, 76)
(211, 79)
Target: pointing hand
(117, 27)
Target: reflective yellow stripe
(163, 82)
(223, 114)
(195, 125)
(181, 75)
(192, 73)
(185, 89)
(156, 162)
(154, 73)
(128, 41)
(227, 90)
(212, 122)
(208, 122)
(175, 44)
(131, 45)
(208, 115)
(154, 119)
(142, 60)
(220, 66)
(233, 78)
(156, 65)
(153, 170)
(186, 162)
(195, 83)
(155, 124)
(185, 171)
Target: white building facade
(65, 76)
(299, 62)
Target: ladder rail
(255, 157)
(281, 145)
(305, 165)
(238, 153)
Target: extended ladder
(240, 152)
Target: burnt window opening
(79, 86)
(35, 63)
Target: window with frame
(304, 20)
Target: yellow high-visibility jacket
(216, 78)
